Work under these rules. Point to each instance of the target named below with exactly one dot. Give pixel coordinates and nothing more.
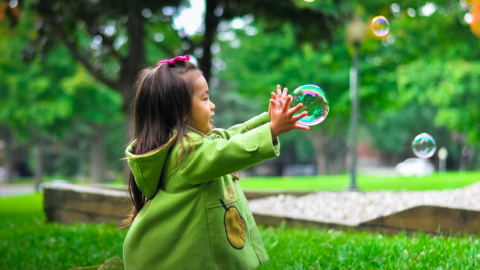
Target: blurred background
(67, 70)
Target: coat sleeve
(242, 128)
(211, 159)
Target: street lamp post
(355, 34)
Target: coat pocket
(230, 250)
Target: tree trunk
(38, 167)
(131, 66)
(321, 163)
(319, 141)
(129, 127)
(133, 63)
(97, 154)
(211, 24)
(7, 160)
(336, 155)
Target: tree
(45, 97)
(274, 57)
(33, 105)
(110, 24)
(425, 39)
(453, 87)
(98, 108)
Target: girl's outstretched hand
(283, 120)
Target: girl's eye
(205, 99)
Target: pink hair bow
(178, 58)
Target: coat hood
(147, 169)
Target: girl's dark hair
(162, 104)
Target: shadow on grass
(114, 263)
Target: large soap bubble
(315, 103)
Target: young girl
(189, 211)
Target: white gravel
(353, 208)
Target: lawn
(27, 242)
(437, 181)
(450, 180)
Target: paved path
(13, 189)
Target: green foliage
(33, 102)
(51, 97)
(453, 87)
(296, 43)
(94, 102)
(274, 57)
(43, 97)
(410, 65)
(267, 59)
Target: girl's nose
(212, 106)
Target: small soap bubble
(423, 146)
(315, 103)
(309, 1)
(380, 26)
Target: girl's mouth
(211, 120)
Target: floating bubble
(309, 1)
(315, 103)
(423, 146)
(380, 26)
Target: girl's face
(202, 107)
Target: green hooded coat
(198, 218)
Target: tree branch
(109, 41)
(164, 48)
(74, 50)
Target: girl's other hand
(283, 120)
(280, 97)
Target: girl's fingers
(295, 109)
(279, 90)
(300, 116)
(274, 96)
(298, 126)
(287, 104)
(273, 103)
(285, 92)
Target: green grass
(21, 205)
(450, 180)
(321, 249)
(27, 242)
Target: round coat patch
(235, 226)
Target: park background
(67, 70)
